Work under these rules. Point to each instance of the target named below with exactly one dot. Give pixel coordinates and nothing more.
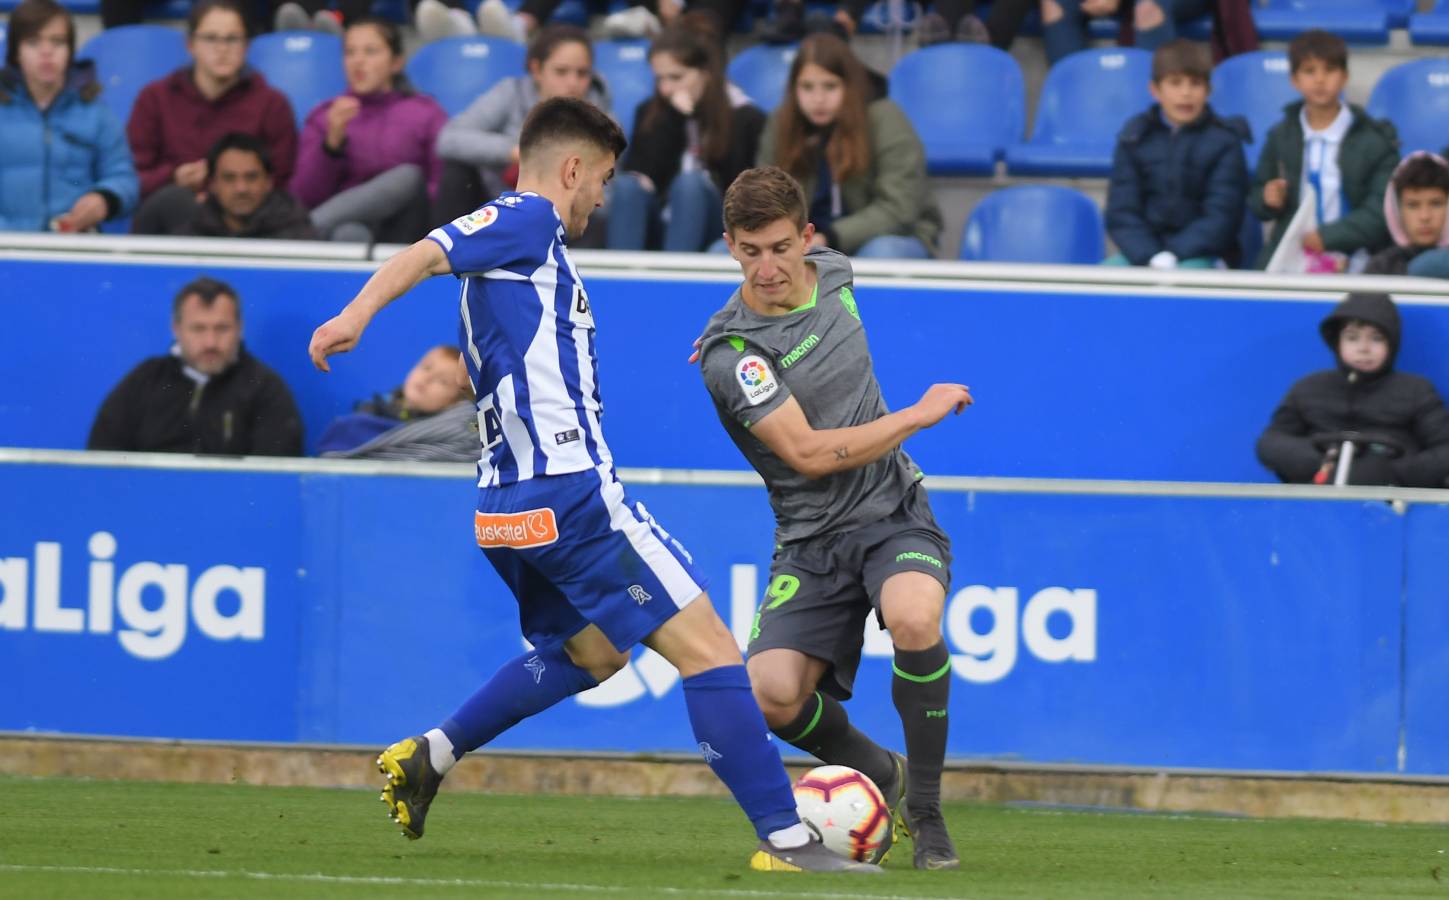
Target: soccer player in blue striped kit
(592, 572)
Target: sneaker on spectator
(972, 30)
(788, 26)
(932, 29)
(434, 19)
(328, 20)
(495, 19)
(634, 22)
(291, 17)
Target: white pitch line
(317, 877)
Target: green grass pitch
(101, 839)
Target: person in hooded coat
(1414, 208)
(1402, 424)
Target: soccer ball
(846, 811)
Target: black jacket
(1405, 408)
(660, 140)
(246, 410)
(280, 216)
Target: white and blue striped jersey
(527, 333)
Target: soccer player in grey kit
(788, 368)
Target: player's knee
(601, 662)
(778, 698)
(915, 627)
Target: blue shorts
(575, 551)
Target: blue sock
(520, 688)
(735, 742)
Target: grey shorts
(822, 588)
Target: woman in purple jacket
(367, 164)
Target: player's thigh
(695, 639)
(592, 651)
(815, 605)
(783, 678)
(545, 615)
(907, 571)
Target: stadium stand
(1415, 97)
(967, 103)
(1038, 223)
(304, 65)
(761, 72)
(1356, 21)
(1086, 98)
(129, 57)
(624, 66)
(1255, 86)
(457, 70)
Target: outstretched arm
(396, 277)
(817, 453)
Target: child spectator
(241, 199)
(177, 119)
(368, 160)
(1414, 208)
(429, 418)
(858, 159)
(64, 164)
(1401, 425)
(479, 146)
(690, 141)
(1345, 155)
(1179, 177)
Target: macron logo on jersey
(756, 379)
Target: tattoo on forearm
(841, 452)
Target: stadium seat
(1084, 102)
(304, 65)
(624, 66)
(966, 101)
(1431, 28)
(458, 70)
(129, 57)
(1035, 223)
(1255, 86)
(761, 72)
(2, 40)
(1356, 21)
(1415, 97)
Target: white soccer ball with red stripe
(846, 810)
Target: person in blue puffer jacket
(64, 161)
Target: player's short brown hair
(1318, 44)
(1182, 57)
(761, 196)
(569, 121)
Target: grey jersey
(818, 354)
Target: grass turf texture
(68, 838)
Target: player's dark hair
(28, 20)
(1182, 57)
(564, 120)
(1421, 170)
(1318, 44)
(238, 140)
(552, 37)
(761, 196)
(207, 290)
(204, 8)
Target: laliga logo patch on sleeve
(756, 379)
(477, 219)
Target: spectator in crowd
(430, 418)
(690, 141)
(1146, 23)
(1342, 153)
(640, 19)
(64, 164)
(241, 198)
(208, 395)
(1396, 421)
(956, 20)
(433, 19)
(479, 146)
(858, 159)
(1414, 208)
(368, 162)
(177, 119)
(1179, 177)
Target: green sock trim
(819, 708)
(921, 679)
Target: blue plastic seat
(304, 65)
(458, 70)
(762, 72)
(1085, 101)
(624, 66)
(1356, 21)
(966, 101)
(1431, 28)
(1415, 97)
(1038, 223)
(1255, 86)
(129, 57)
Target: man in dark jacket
(242, 200)
(207, 396)
(1402, 426)
(1179, 177)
